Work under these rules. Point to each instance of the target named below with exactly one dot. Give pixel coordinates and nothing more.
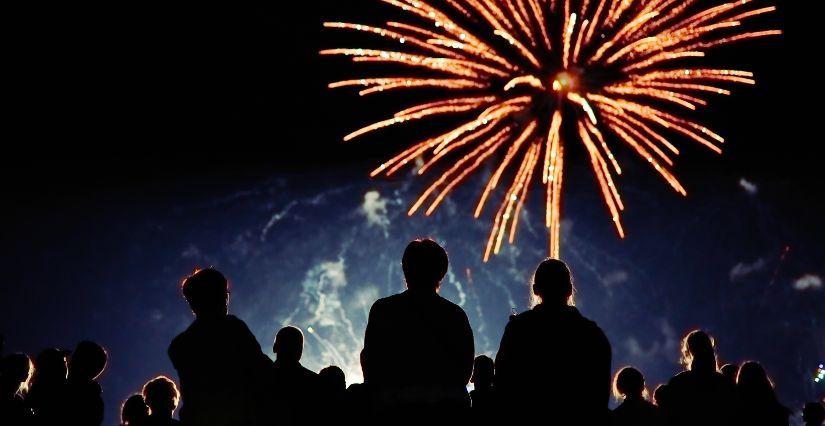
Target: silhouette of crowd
(553, 366)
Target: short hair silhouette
(629, 383)
(207, 292)
(289, 344)
(813, 414)
(161, 396)
(51, 365)
(425, 264)
(730, 371)
(483, 371)
(87, 361)
(553, 283)
(753, 380)
(134, 411)
(661, 396)
(333, 378)
(16, 372)
(699, 351)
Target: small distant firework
(538, 74)
(819, 376)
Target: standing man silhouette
(219, 361)
(418, 347)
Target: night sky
(144, 141)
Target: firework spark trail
(620, 66)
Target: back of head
(753, 383)
(207, 292)
(699, 352)
(134, 411)
(289, 344)
(629, 383)
(161, 396)
(333, 378)
(552, 283)
(87, 361)
(483, 371)
(730, 371)
(813, 413)
(16, 372)
(662, 395)
(51, 366)
(425, 264)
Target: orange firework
(534, 71)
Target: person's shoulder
(385, 302)
(450, 306)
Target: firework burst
(535, 75)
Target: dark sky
(117, 95)
(114, 108)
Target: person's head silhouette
(51, 366)
(699, 352)
(730, 371)
(661, 396)
(333, 379)
(161, 396)
(15, 374)
(289, 345)
(425, 264)
(483, 372)
(207, 292)
(753, 383)
(813, 414)
(552, 283)
(629, 383)
(134, 411)
(87, 361)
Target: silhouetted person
(161, 396)
(730, 371)
(219, 362)
(15, 374)
(813, 414)
(134, 411)
(483, 397)
(553, 364)
(418, 347)
(333, 379)
(635, 410)
(757, 399)
(83, 394)
(333, 384)
(47, 395)
(661, 397)
(700, 395)
(294, 386)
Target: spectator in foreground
(295, 388)
(134, 411)
(730, 371)
(418, 346)
(47, 395)
(483, 397)
(635, 410)
(161, 396)
(700, 394)
(553, 364)
(84, 396)
(757, 399)
(15, 374)
(219, 362)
